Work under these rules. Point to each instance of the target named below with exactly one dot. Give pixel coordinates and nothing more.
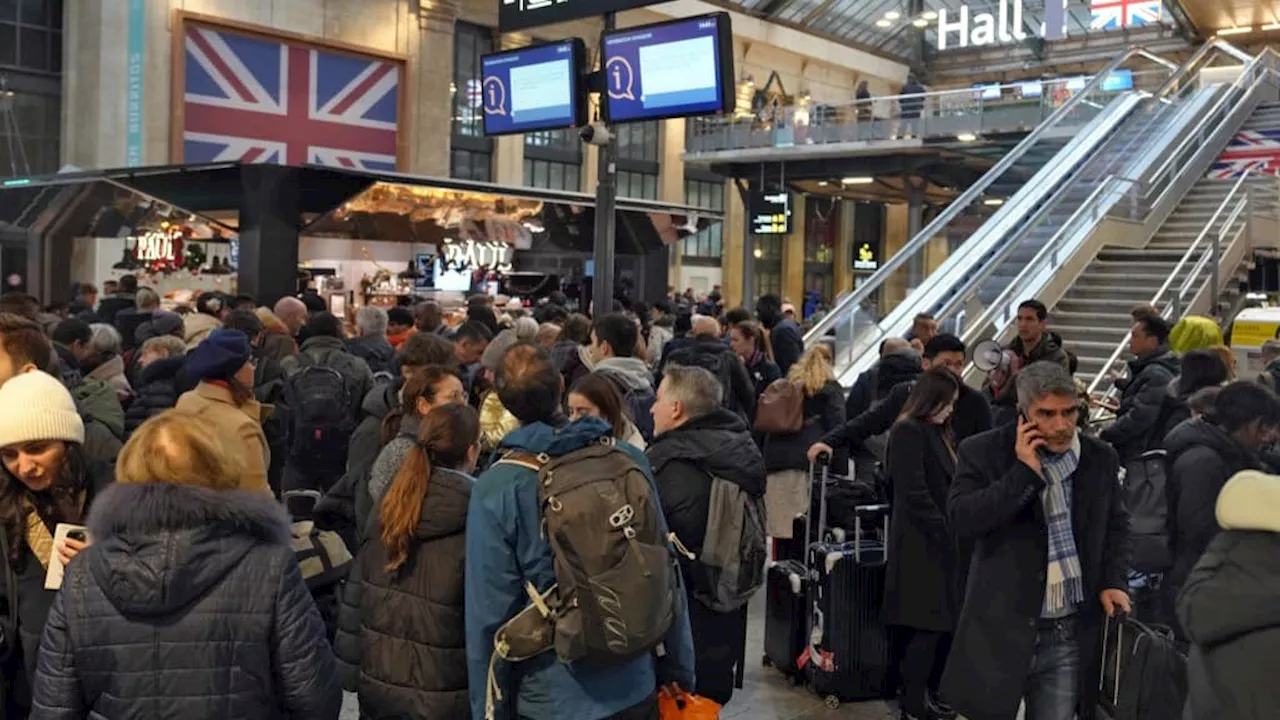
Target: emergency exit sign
(520, 14)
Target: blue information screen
(534, 88)
(672, 69)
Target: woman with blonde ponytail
(401, 635)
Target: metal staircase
(1093, 316)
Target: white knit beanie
(35, 406)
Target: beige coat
(196, 327)
(241, 427)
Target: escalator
(859, 327)
(1015, 256)
(1167, 234)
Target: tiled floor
(766, 696)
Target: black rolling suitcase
(786, 617)
(848, 655)
(1144, 674)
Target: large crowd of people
(513, 515)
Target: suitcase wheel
(832, 701)
(765, 661)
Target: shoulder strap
(528, 460)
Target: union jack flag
(1256, 150)
(257, 100)
(1116, 14)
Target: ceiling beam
(800, 27)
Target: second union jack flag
(253, 99)
(1116, 14)
(1256, 150)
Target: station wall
(422, 32)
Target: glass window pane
(9, 10)
(556, 180)
(55, 52)
(651, 187)
(34, 12)
(8, 44)
(33, 49)
(573, 178)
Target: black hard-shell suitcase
(848, 655)
(786, 617)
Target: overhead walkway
(976, 121)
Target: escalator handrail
(993, 262)
(975, 329)
(1168, 283)
(1186, 69)
(956, 207)
(975, 281)
(1226, 103)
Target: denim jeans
(1053, 684)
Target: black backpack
(719, 364)
(1146, 494)
(320, 422)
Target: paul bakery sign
(521, 14)
(967, 28)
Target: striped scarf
(1064, 587)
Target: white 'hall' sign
(1004, 26)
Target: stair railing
(1162, 181)
(1233, 205)
(843, 311)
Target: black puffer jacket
(401, 636)
(1202, 457)
(1140, 405)
(156, 391)
(1231, 607)
(189, 605)
(684, 460)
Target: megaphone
(989, 356)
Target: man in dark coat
(708, 351)
(113, 303)
(1034, 342)
(373, 346)
(1042, 504)
(972, 414)
(870, 387)
(1145, 394)
(784, 333)
(697, 440)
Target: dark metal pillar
(606, 197)
(270, 211)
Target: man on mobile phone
(1042, 503)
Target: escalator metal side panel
(992, 232)
(1050, 280)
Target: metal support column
(915, 223)
(606, 197)
(748, 247)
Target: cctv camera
(595, 134)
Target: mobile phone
(77, 535)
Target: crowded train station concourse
(640, 360)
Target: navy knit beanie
(219, 356)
